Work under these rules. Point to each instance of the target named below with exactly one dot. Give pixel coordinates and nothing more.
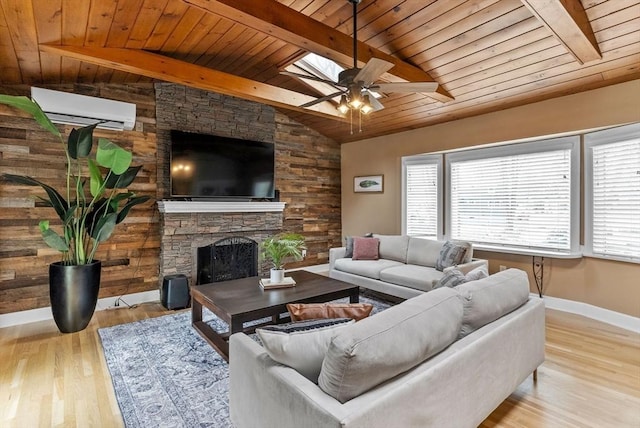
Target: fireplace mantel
(167, 206)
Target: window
(522, 198)
(422, 195)
(612, 193)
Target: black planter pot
(74, 293)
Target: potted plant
(279, 247)
(88, 216)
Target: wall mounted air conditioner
(81, 110)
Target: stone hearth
(185, 226)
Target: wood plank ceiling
(486, 54)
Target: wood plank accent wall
(130, 256)
(308, 178)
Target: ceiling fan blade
(405, 87)
(372, 70)
(321, 99)
(308, 77)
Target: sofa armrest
(335, 254)
(465, 268)
(265, 393)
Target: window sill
(527, 252)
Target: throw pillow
(307, 311)
(451, 254)
(365, 248)
(301, 345)
(348, 245)
(477, 273)
(451, 278)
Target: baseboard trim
(44, 314)
(617, 319)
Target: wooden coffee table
(241, 300)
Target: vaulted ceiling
(486, 55)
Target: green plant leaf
(95, 179)
(130, 204)
(104, 227)
(80, 142)
(281, 246)
(31, 107)
(59, 204)
(112, 156)
(51, 238)
(115, 181)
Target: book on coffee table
(266, 283)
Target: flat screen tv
(209, 166)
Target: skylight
(318, 66)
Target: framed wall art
(368, 184)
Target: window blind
(519, 200)
(421, 199)
(613, 195)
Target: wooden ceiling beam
(160, 67)
(569, 23)
(277, 20)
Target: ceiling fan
(355, 85)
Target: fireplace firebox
(229, 258)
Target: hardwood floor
(591, 376)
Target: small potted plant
(87, 214)
(278, 248)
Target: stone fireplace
(186, 226)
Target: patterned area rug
(165, 375)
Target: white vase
(277, 276)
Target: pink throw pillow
(365, 248)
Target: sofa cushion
(423, 252)
(488, 299)
(366, 248)
(301, 345)
(367, 268)
(451, 254)
(309, 311)
(380, 347)
(393, 247)
(413, 276)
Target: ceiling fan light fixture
(366, 107)
(355, 99)
(343, 107)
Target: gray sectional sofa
(406, 267)
(446, 358)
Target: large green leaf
(96, 184)
(80, 142)
(111, 156)
(130, 204)
(104, 227)
(115, 181)
(51, 238)
(31, 107)
(55, 199)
